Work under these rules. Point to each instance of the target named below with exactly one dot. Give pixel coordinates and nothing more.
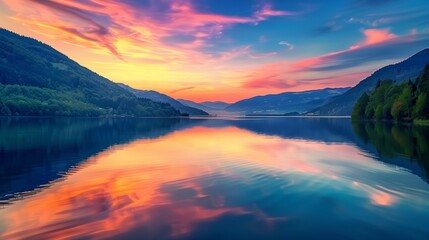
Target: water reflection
(222, 179)
(395, 143)
(35, 151)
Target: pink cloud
(280, 81)
(267, 12)
(331, 67)
(377, 35)
(107, 24)
(373, 36)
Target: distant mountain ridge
(219, 105)
(210, 107)
(286, 102)
(162, 98)
(342, 105)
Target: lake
(223, 178)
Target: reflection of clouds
(178, 184)
(382, 198)
(382, 182)
(377, 197)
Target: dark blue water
(225, 178)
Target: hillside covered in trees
(342, 105)
(37, 80)
(401, 102)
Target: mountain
(403, 102)
(197, 105)
(285, 102)
(408, 69)
(162, 98)
(219, 105)
(36, 79)
(210, 107)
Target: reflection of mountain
(35, 151)
(393, 143)
(309, 129)
(327, 130)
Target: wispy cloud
(118, 27)
(279, 81)
(181, 90)
(267, 12)
(369, 22)
(236, 50)
(374, 36)
(289, 45)
(377, 45)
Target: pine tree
(421, 109)
(360, 106)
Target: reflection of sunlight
(382, 198)
(128, 186)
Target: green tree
(360, 106)
(421, 109)
(379, 112)
(422, 82)
(401, 108)
(406, 101)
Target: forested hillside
(408, 69)
(405, 101)
(35, 80)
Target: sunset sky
(226, 49)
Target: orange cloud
(377, 35)
(143, 41)
(110, 23)
(382, 198)
(374, 36)
(140, 47)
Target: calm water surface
(256, 178)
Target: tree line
(391, 101)
(16, 100)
